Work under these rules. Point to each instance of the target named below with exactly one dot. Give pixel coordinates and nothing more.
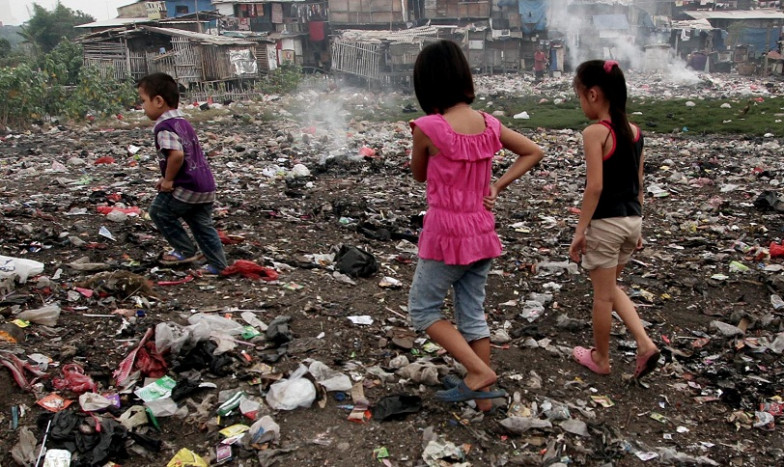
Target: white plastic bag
(332, 380)
(47, 315)
(218, 323)
(170, 336)
(18, 268)
(296, 391)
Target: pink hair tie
(609, 64)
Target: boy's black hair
(613, 85)
(161, 84)
(442, 77)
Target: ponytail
(607, 75)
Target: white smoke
(585, 42)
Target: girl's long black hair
(442, 77)
(609, 78)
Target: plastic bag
(264, 430)
(296, 391)
(74, 379)
(218, 323)
(170, 337)
(332, 380)
(354, 262)
(46, 316)
(20, 269)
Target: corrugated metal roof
(702, 24)
(110, 23)
(405, 35)
(736, 14)
(197, 36)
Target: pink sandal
(646, 363)
(582, 356)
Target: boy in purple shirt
(186, 190)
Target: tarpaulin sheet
(757, 38)
(533, 15)
(614, 22)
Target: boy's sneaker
(208, 270)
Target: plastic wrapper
(74, 379)
(296, 391)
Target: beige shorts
(610, 242)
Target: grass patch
(657, 116)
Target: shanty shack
(298, 29)
(382, 56)
(189, 57)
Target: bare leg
(625, 309)
(481, 348)
(604, 291)
(480, 375)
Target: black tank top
(620, 180)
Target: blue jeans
(432, 280)
(167, 212)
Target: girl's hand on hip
(489, 200)
(640, 246)
(577, 248)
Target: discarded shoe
(582, 356)
(646, 363)
(174, 258)
(462, 393)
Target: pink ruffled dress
(457, 227)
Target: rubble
(305, 348)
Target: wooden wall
(366, 11)
(435, 9)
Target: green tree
(5, 48)
(45, 29)
(63, 63)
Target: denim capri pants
(432, 280)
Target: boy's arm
(171, 146)
(174, 163)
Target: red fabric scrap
(150, 362)
(250, 270)
(776, 250)
(104, 160)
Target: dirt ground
(692, 234)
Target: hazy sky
(16, 11)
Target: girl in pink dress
(453, 152)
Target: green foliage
(32, 94)
(99, 95)
(281, 80)
(25, 92)
(5, 48)
(46, 29)
(63, 63)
